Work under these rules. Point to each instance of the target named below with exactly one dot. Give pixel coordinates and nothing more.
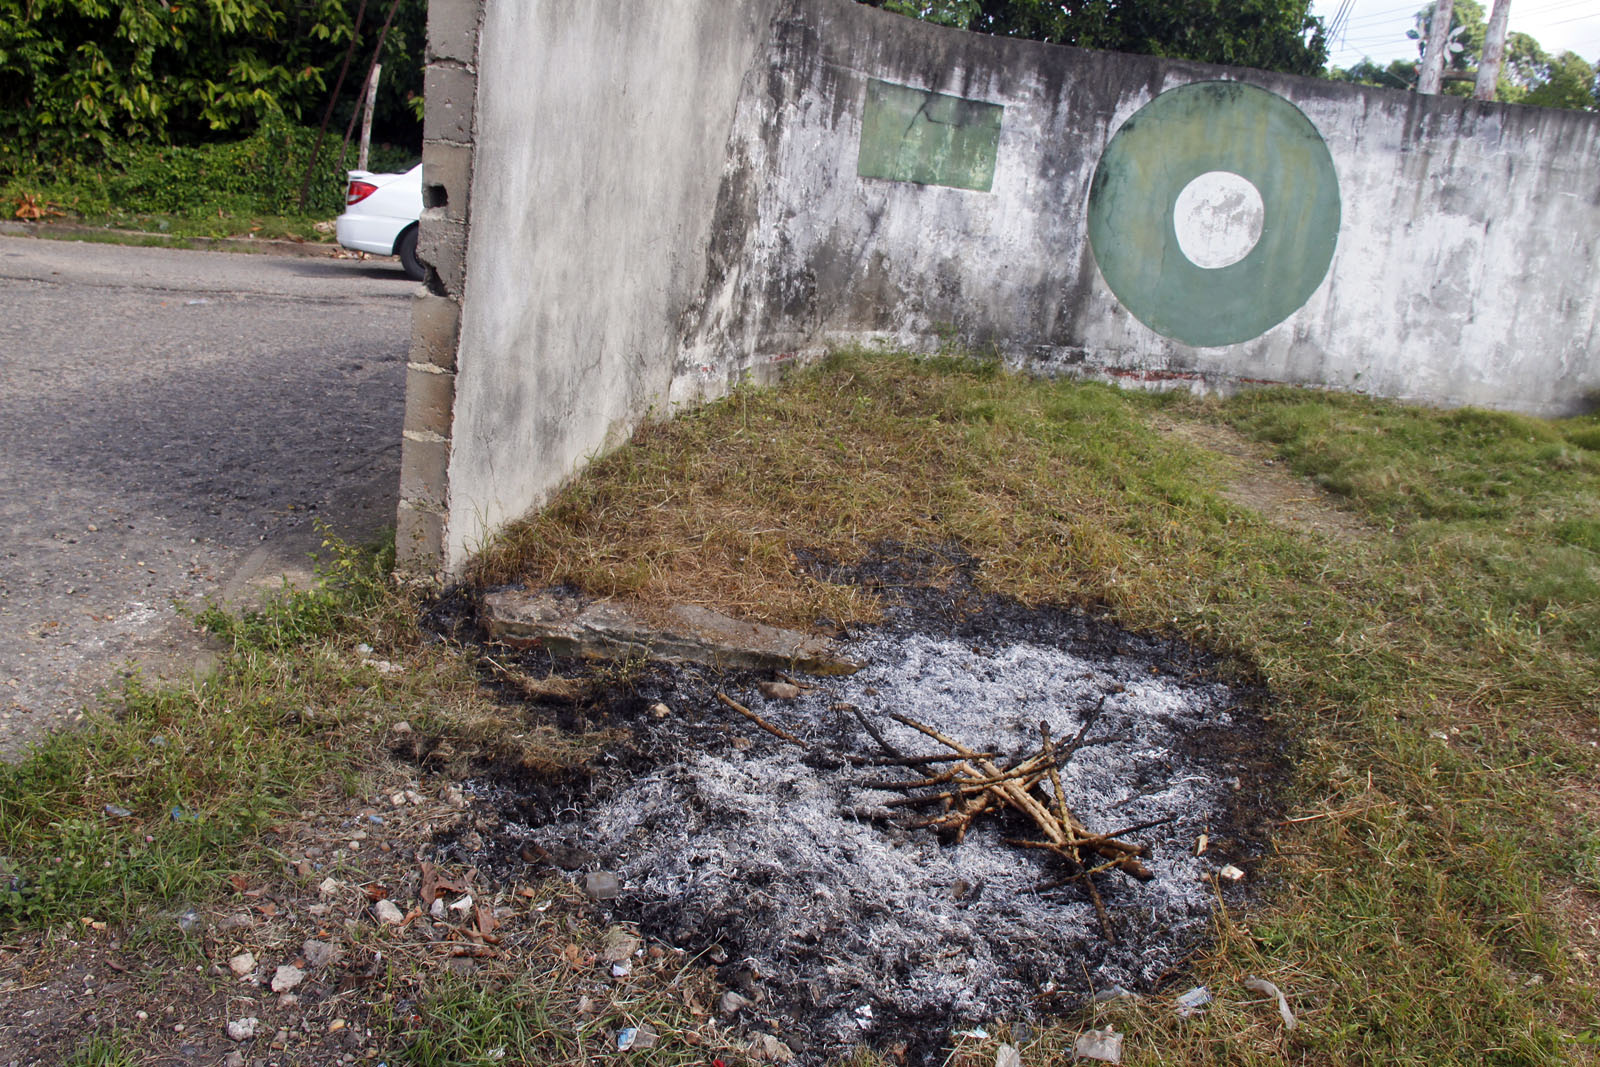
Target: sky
(1376, 29)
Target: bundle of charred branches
(974, 784)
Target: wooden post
(1433, 57)
(1494, 52)
(366, 118)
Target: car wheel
(406, 249)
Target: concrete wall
(668, 198)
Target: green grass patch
(152, 805)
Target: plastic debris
(1191, 1002)
(188, 920)
(977, 1033)
(1103, 995)
(1103, 1045)
(1261, 985)
(621, 970)
(626, 1038)
(1007, 1056)
(117, 811)
(182, 814)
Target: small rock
(243, 1029)
(304, 869)
(401, 727)
(620, 944)
(659, 711)
(239, 920)
(769, 1049)
(779, 690)
(454, 797)
(318, 954)
(280, 1039)
(621, 970)
(330, 886)
(601, 885)
(436, 909)
(287, 977)
(1230, 873)
(337, 1025)
(242, 964)
(1103, 1045)
(733, 1003)
(463, 905)
(233, 1059)
(288, 1000)
(388, 914)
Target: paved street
(171, 422)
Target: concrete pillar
(451, 86)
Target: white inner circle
(1218, 219)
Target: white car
(380, 216)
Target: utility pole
(1433, 56)
(366, 116)
(1494, 52)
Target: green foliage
(1279, 35)
(78, 78)
(100, 1051)
(254, 176)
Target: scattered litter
(620, 943)
(330, 887)
(626, 1037)
(1230, 873)
(1200, 844)
(1007, 1056)
(1261, 985)
(621, 970)
(977, 1033)
(1103, 1045)
(182, 814)
(188, 920)
(463, 905)
(117, 811)
(1191, 1002)
(436, 909)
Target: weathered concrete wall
(667, 198)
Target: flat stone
(242, 964)
(287, 977)
(601, 885)
(606, 629)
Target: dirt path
(1255, 480)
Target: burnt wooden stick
(775, 731)
(1007, 789)
(914, 783)
(910, 761)
(866, 724)
(1100, 910)
(1055, 778)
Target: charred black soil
(813, 889)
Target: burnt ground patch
(808, 882)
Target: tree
(1276, 35)
(78, 77)
(1529, 75)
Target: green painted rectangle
(915, 135)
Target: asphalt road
(171, 423)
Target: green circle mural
(1214, 212)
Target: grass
(1432, 903)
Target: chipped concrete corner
(676, 197)
(451, 84)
